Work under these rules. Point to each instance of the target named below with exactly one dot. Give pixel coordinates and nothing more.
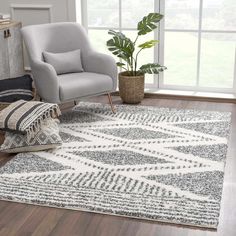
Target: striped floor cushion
(26, 117)
(15, 89)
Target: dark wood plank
(21, 219)
(67, 223)
(46, 226)
(32, 222)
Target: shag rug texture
(144, 162)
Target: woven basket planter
(131, 88)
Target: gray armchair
(100, 71)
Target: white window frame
(159, 34)
(199, 31)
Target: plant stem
(132, 64)
(133, 61)
(136, 39)
(136, 59)
(135, 66)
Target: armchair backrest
(54, 37)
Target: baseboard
(206, 97)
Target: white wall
(31, 12)
(40, 11)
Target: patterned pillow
(12, 90)
(48, 137)
(26, 117)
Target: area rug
(144, 162)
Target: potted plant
(131, 80)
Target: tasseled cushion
(26, 117)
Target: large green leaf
(121, 47)
(120, 64)
(149, 23)
(118, 34)
(148, 44)
(152, 68)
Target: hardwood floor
(23, 220)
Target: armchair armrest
(46, 81)
(102, 64)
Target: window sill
(191, 95)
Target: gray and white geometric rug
(151, 163)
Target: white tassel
(53, 112)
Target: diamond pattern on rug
(120, 157)
(82, 117)
(135, 133)
(202, 183)
(152, 163)
(211, 152)
(220, 129)
(66, 137)
(31, 163)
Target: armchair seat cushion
(83, 84)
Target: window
(199, 45)
(197, 39)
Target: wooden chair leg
(111, 104)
